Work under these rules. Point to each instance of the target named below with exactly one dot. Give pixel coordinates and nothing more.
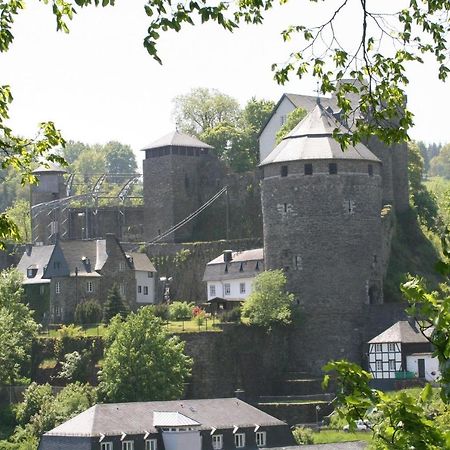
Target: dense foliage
(17, 328)
(114, 305)
(218, 120)
(88, 312)
(142, 362)
(180, 311)
(269, 303)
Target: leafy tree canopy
(17, 328)
(119, 158)
(269, 303)
(142, 362)
(292, 120)
(422, 200)
(440, 164)
(218, 120)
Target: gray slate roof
(38, 258)
(49, 167)
(312, 139)
(243, 265)
(177, 139)
(74, 251)
(401, 331)
(141, 262)
(136, 418)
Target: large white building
(230, 276)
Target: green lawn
(332, 436)
(189, 326)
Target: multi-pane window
(106, 446)
(57, 287)
(242, 288)
(150, 444)
(128, 445)
(391, 365)
(139, 289)
(121, 266)
(239, 440)
(260, 438)
(378, 348)
(89, 286)
(217, 441)
(227, 288)
(150, 274)
(212, 290)
(391, 347)
(145, 290)
(378, 366)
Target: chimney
(111, 243)
(240, 394)
(227, 256)
(28, 249)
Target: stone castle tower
(172, 177)
(321, 214)
(46, 223)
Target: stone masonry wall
(186, 262)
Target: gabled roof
(401, 331)
(137, 418)
(141, 262)
(312, 139)
(177, 139)
(36, 257)
(246, 264)
(306, 102)
(83, 255)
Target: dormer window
(31, 272)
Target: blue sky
(98, 83)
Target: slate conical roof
(49, 167)
(313, 138)
(177, 139)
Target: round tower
(46, 220)
(322, 225)
(171, 176)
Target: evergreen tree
(114, 305)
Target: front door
(421, 367)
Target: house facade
(209, 424)
(402, 351)
(229, 277)
(59, 277)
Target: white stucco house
(287, 104)
(402, 351)
(145, 275)
(229, 277)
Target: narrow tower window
(332, 168)
(370, 170)
(308, 169)
(284, 171)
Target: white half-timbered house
(390, 352)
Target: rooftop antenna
(317, 93)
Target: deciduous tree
(17, 328)
(141, 361)
(269, 303)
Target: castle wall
(325, 231)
